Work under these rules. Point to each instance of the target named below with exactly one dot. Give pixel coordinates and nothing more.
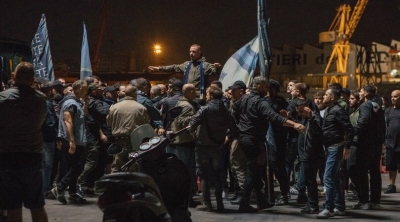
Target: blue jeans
(332, 179)
(185, 152)
(47, 164)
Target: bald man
(163, 90)
(184, 144)
(124, 117)
(392, 140)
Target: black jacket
(169, 103)
(93, 119)
(310, 143)
(155, 116)
(336, 126)
(279, 103)
(105, 128)
(291, 108)
(370, 128)
(214, 121)
(50, 125)
(392, 140)
(252, 113)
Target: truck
(12, 52)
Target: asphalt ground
(390, 211)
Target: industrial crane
(103, 28)
(340, 33)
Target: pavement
(390, 208)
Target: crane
(340, 33)
(103, 27)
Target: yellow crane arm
(355, 17)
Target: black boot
(263, 204)
(302, 198)
(246, 208)
(220, 205)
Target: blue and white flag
(241, 65)
(41, 52)
(86, 67)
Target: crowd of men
(249, 136)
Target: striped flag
(86, 67)
(241, 65)
(40, 47)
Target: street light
(157, 49)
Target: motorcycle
(160, 191)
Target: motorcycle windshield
(141, 134)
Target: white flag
(241, 65)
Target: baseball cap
(238, 85)
(92, 86)
(110, 89)
(274, 84)
(57, 84)
(177, 85)
(346, 91)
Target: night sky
(217, 25)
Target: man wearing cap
(123, 118)
(111, 94)
(195, 71)
(252, 114)
(58, 87)
(237, 158)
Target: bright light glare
(157, 49)
(395, 73)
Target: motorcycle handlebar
(174, 134)
(133, 156)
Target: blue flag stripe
(245, 57)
